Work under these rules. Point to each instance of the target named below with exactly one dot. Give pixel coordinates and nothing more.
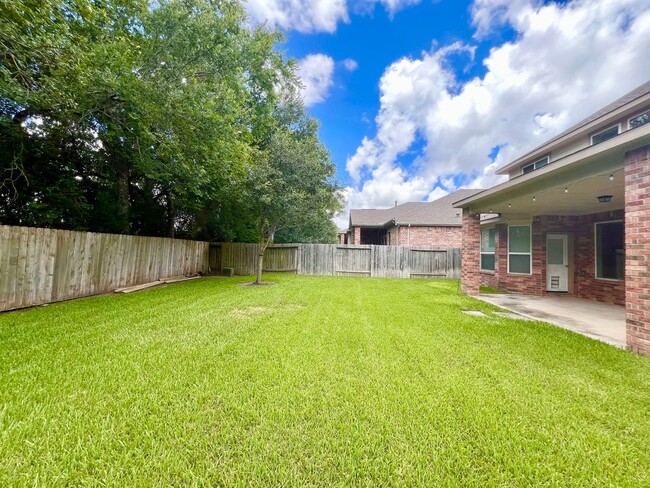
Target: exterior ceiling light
(604, 198)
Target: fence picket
(339, 260)
(40, 266)
(44, 265)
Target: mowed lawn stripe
(314, 381)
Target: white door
(557, 263)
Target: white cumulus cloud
(300, 15)
(314, 15)
(350, 64)
(315, 71)
(567, 61)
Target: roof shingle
(437, 213)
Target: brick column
(357, 236)
(470, 274)
(637, 249)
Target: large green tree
(145, 117)
(291, 188)
(124, 114)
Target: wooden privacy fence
(40, 266)
(338, 260)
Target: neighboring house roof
(440, 212)
(626, 99)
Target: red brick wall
(490, 279)
(637, 249)
(470, 275)
(438, 236)
(586, 285)
(354, 236)
(393, 236)
(581, 233)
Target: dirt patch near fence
(250, 312)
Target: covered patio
(573, 230)
(596, 320)
(572, 221)
(559, 231)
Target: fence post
(299, 259)
(407, 260)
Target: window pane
(604, 135)
(640, 120)
(528, 169)
(487, 262)
(541, 163)
(519, 238)
(610, 253)
(519, 263)
(487, 240)
(555, 251)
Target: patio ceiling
(575, 197)
(585, 175)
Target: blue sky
(418, 98)
(375, 41)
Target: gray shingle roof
(439, 212)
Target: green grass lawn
(315, 381)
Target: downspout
(409, 236)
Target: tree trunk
(171, 216)
(260, 264)
(266, 239)
(203, 219)
(123, 196)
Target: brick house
(435, 223)
(573, 217)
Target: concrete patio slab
(512, 315)
(593, 319)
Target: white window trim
(534, 163)
(634, 117)
(494, 253)
(529, 254)
(620, 129)
(615, 280)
